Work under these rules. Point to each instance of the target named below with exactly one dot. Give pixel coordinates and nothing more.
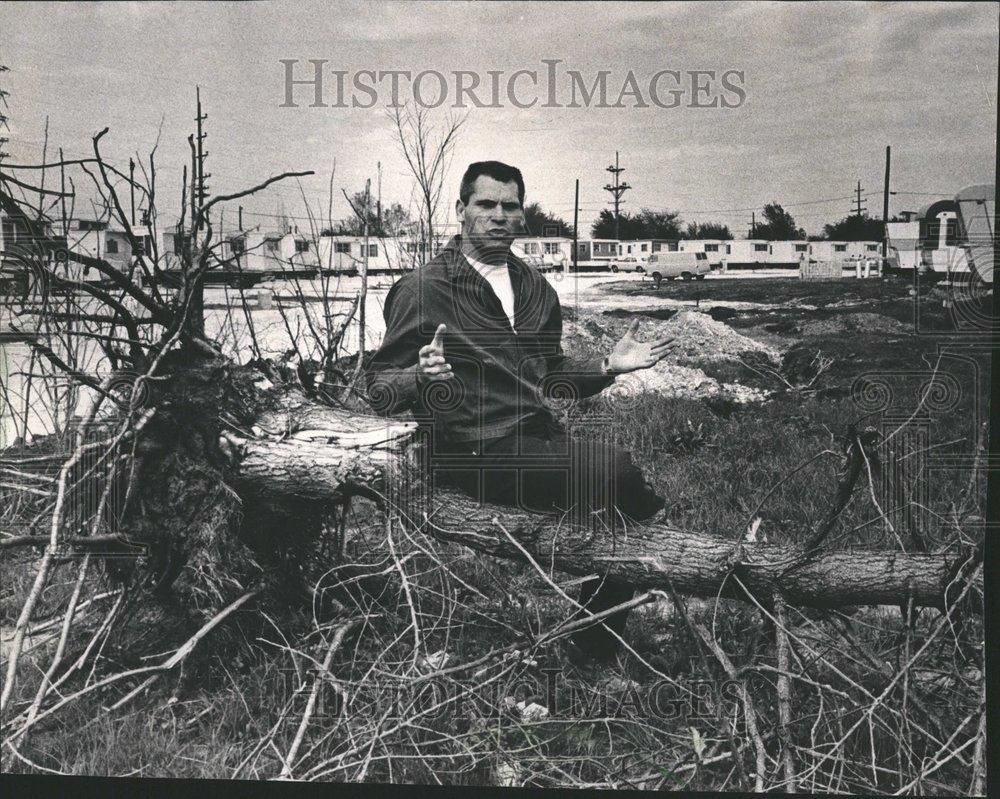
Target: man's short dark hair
(505, 173)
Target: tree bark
(325, 453)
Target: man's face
(492, 217)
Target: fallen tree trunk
(327, 453)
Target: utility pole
(194, 191)
(131, 187)
(4, 126)
(753, 224)
(617, 189)
(576, 223)
(885, 210)
(857, 204)
(241, 217)
(380, 199)
(202, 153)
(363, 294)
(196, 318)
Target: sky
(827, 87)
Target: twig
(748, 707)
(784, 694)
(293, 751)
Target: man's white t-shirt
(498, 276)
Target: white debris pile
(682, 382)
(697, 339)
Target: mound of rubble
(682, 382)
(698, 339)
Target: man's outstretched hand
(630, 354)
(433, 365)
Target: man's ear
(460, 211)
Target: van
(685, 265)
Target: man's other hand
(630, 354)
(433, 365)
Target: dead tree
(427, 153)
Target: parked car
(670, 265)
(625, 265)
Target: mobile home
(931, 240)
(747, 254)
(715, 249)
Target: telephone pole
(202, 189)
(753, 224)
(196, 318)
(194, 190)
(617, 189)
(576, 222)
(131, 187)
(379, 201)
(885, 209)
(4, 126)
(858, 210)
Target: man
(473, 343)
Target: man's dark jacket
(502, 375)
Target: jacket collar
(457, 265)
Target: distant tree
(644, 224)
(778, 225)
(604, 226)
(856, 227)
(536, 219)
(395, 221)
(660, 224)
(707, 230)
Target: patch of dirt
(863, 322)
(652, 313)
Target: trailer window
(840, 248)
(760, 247)
(711, 248)
(801, 247)
(342, 247)
(951, 233)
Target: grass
(715, 465)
